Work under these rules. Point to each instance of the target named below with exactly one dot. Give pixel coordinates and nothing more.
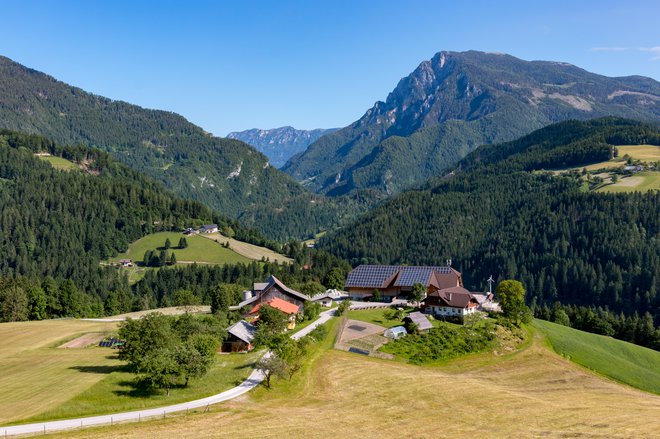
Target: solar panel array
(370, 276)
(374, 276)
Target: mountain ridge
(453, 103)
(280, 144)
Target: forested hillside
(563, 242)
(61, 224)
(454, 103)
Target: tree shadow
(107, 369)
(141, 389)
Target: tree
(311, 310)
(271, 365)
(615, 178)
(37, 303)
(185, 298)
(195, 357)
(172, 260)
(145, 336)
(417, 293)
(561, 317)
(13, 304)
(375, 295)
(292, 353)
(224, 295)
(160, 369)
(511, 295)
(168, 244)
(271, 323)
(335, 279)
(343, 307)
(183, 242)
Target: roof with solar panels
(384, 276)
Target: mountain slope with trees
(454, 103)
(280, 144)
(499, 218)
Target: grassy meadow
(200, 249)
(59, 162)
(530, 393)
(625, 362)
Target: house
(326, 299)
(450, 302)
(126, 262)
(395, 332)
(420, 320)
(239, 337)
(272, 288)
(287, 308)
(209, 228)
(394, 280)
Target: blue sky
(235, 65)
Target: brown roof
(455, 297)
(272, 280)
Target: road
(255, 378)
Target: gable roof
(455, 297)
(272, 281)
(420, 320)
(243, 330)
(277, 303)
(382, 276)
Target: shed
(419, 319)
(239, 337)
(395, 332)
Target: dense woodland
(58, 225)
(564, 243)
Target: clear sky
(243, 64)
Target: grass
(35, 375)
(375, 316)
(625, 362)
(646, 153)
(250, 251)
(199, 249)
(59, 162)
(531, 393)
(118, 392)
(641, 182)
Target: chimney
(247, 294)
(449, 262)
(450, 296)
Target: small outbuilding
(239, 337)
(395, 332)
(126, 262)
(420, 320)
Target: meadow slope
(528, 394)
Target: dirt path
(83, 341)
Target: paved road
(255, 378)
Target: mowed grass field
(625, 362)
(39, 381)
(35, 375)
(248, 250)
(641, 182)
(532, 393)
(645, 153)
(59, 162)
(199, 249)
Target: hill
(527, 394)
(227, 175)
(494, 215)
(280, 144)
(624, 362)
(58, 225)
(455, 102)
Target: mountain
(495, 214)
(455, 102)
(280, 144)
(227, 175)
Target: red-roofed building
(286, 307)
(450, 302)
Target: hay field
(35, 375)
(533, 393)
(645, 153)
(248, 250)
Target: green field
(375, 316)
(645, 153)
(59, 162)
(625, 362)
(118, 392)
(200, 250)
(641, 182)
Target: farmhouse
(450, 302)
(392, 281)
(286, 307)
(239, 337)
(126, 262)
(209, 228)
(326, 299)
(272, 288)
